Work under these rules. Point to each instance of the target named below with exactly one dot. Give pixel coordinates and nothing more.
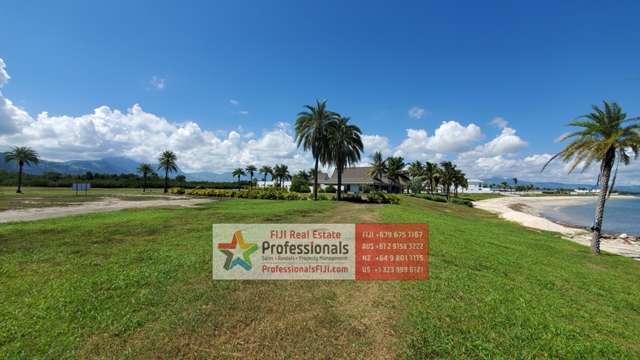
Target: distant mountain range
(112, 165)
(557, 185)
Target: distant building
(476, 186)
(355, 179)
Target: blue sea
(620, 215)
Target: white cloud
(4, 76)
(505, 143)
(451, 136)
(499, 122)
(373, 143)
(234, 102)
(416, 112)
(158, 83)
(243, 112)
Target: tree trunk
(605, 173)
(144, 184)
(315, 181)
(166, 181)
(20, 165)
(251, 182)
(339, 170)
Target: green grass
(33, 197)
(137, 283)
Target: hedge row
(278, 194)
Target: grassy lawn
(33, 197)
(136, 283)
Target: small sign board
(320, 252)
(80, 187)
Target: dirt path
(105, 205)
(526, 211)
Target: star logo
(245, 248)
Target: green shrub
(462, 202)
(265, 194)
(177, 191)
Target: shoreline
(527, 211)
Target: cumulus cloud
(416, 112)
(499, 122)
(373, 143)
(234, 102)
(141, 135)
(452, 136)
(505, 143)
(158, 83)
(4, 76)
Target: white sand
(526, 211)
(107, 204)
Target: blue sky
(246, 66)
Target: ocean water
(620, 215)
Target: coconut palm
(266, 170)
(345, 146)
(281, 172)
(430, 171)
(311, 134)
(22, 155)
(145, 170)
(395, 171)
(459, 181)
(416, 169)
(604, 136)
(167, 161)
(251, 170)
(239, 172)
(447, 176)
(378, 166)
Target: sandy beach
(526, 211)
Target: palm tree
(266, 170)
(345, 146)
(515, 182)
(251, 170)
(167, 161)
(395, 171)
(416, 169)
(430, 171)
(459, 181)
(448, 174)
(239, 172)
(281, 172)
(378, 166)
(145, 170)
(311, 134)
(22, 155)
(603, 137)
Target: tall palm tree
(281, 172)
(416, 169)
(145, 170)
(395, 171)
(605, 136)
(22, 155)
(239, 172)
(447, 176)
(311, 134)
(266, 170)
(167, 161)
(251, 170)
(459, 181)
(430, 172)
(378, 166)
(345, 146)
